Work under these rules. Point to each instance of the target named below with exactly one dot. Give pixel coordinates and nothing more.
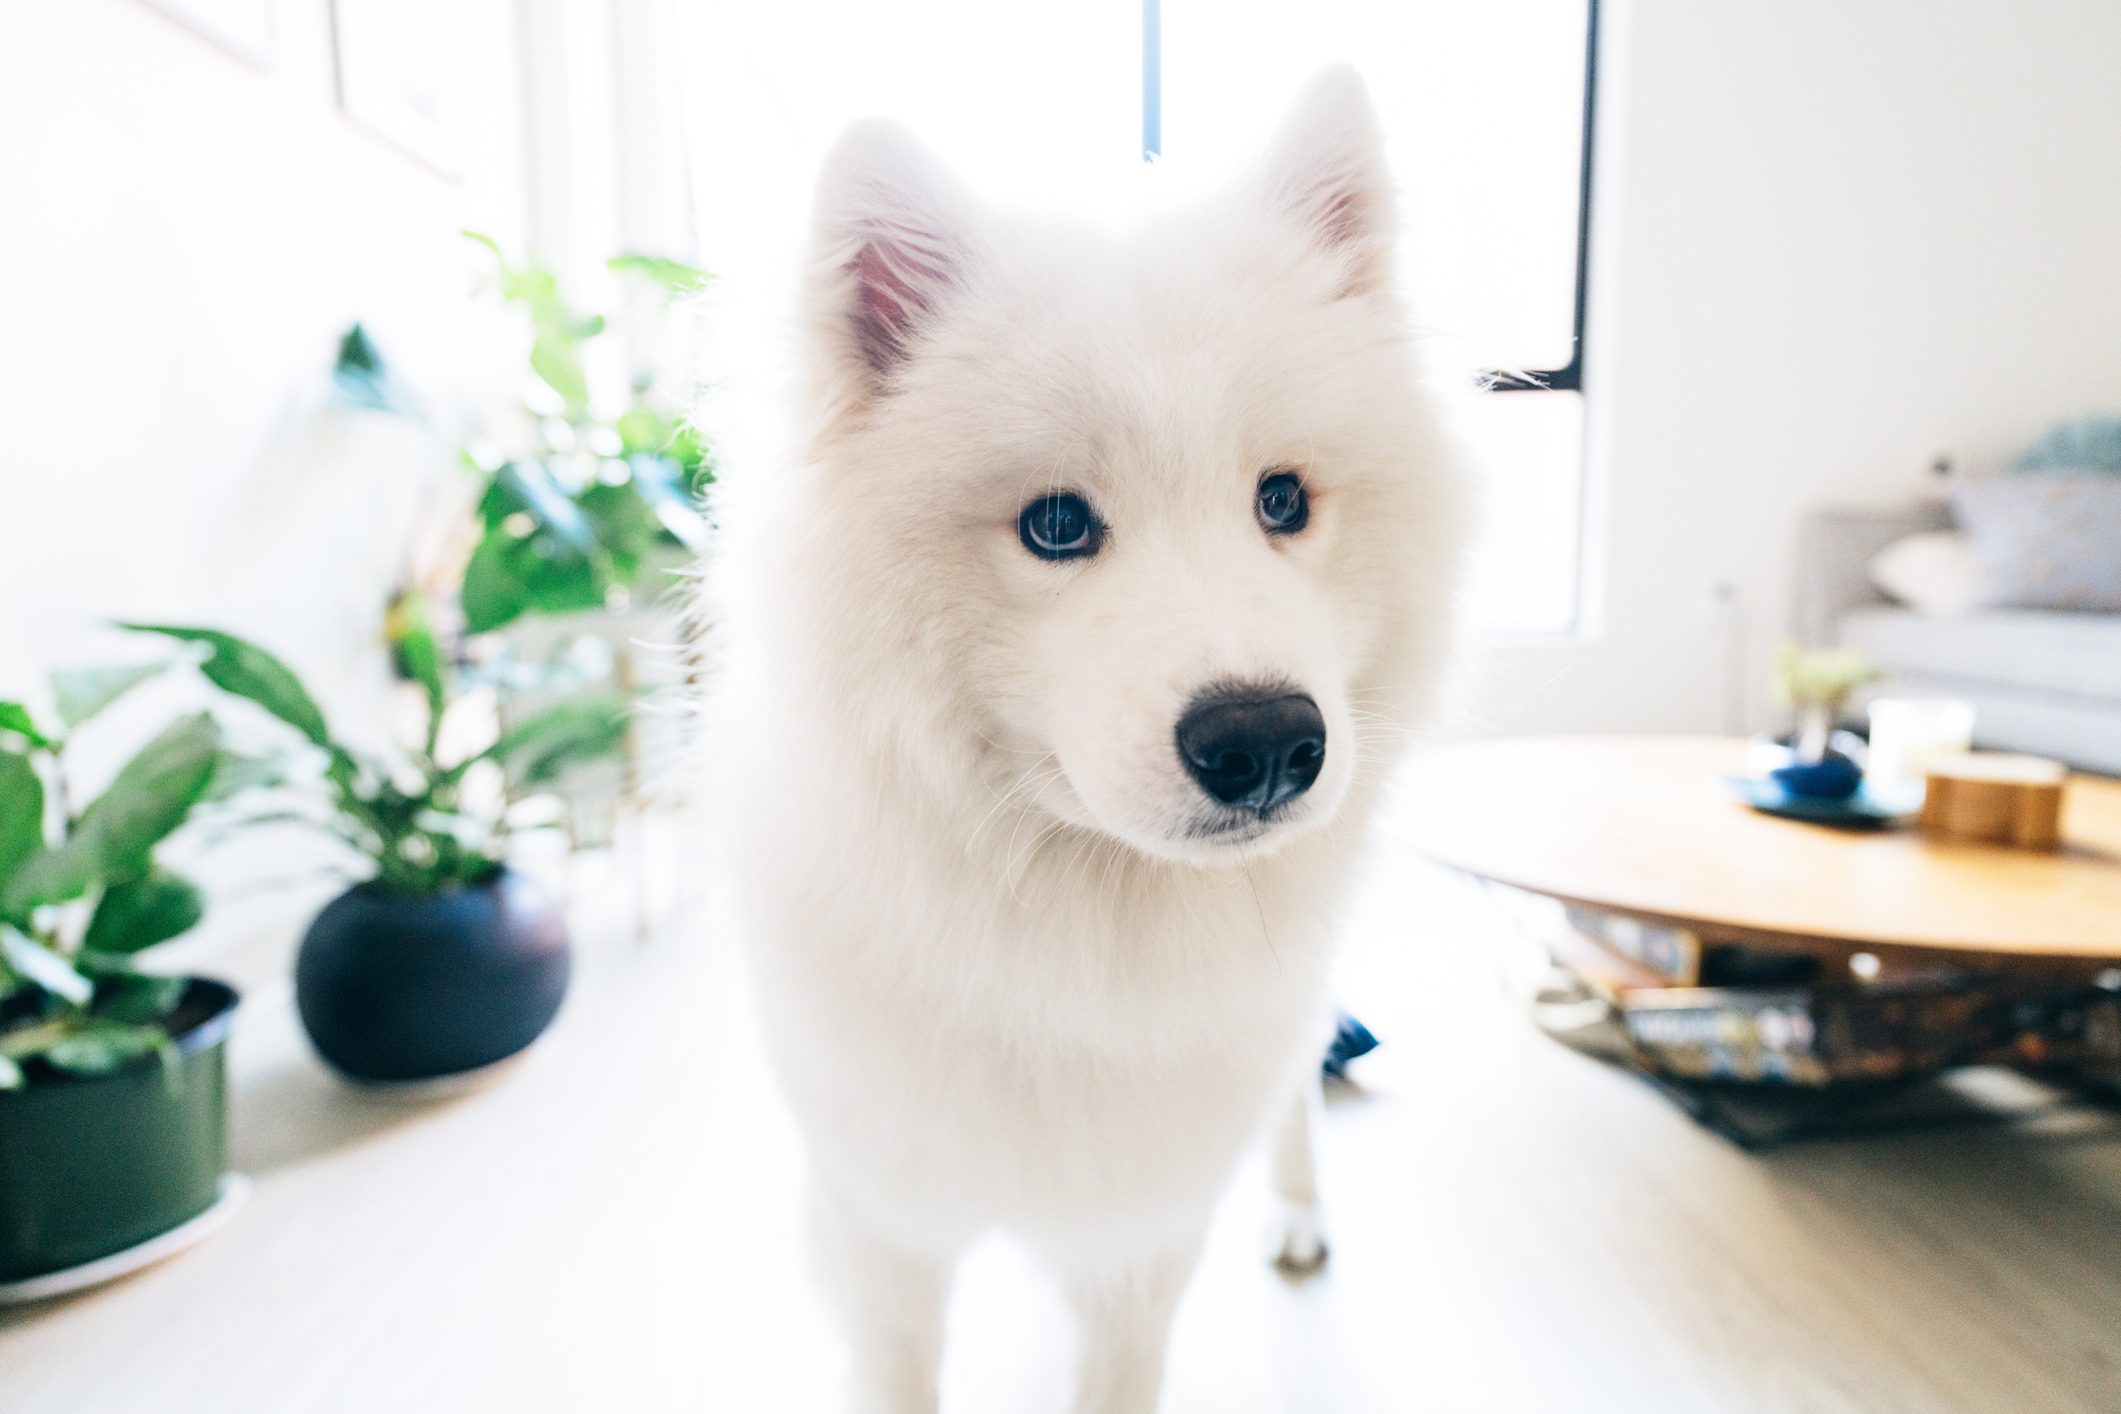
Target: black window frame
(1569, 378)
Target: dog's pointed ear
(1326, 172)
(889, 246)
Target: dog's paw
(1302, 1252)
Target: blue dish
(1832, 777)
(1863, 810)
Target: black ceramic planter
(396, 987)
(90, 1166)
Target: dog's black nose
(1253, 749)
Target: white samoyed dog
(1066, 663)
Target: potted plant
(112, 1089)
(586, 511)
(598, 499)
(1817, 683)
(444, 960)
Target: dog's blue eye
(1059, 527)
(1283, 507)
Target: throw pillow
(1935, 572)
(2046, 540)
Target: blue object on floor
(1350, 1039)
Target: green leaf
(237, 666)
(361, 377)
(627, 524)
(528, 487)
(645, 430)
(560, 581)
(52, 875)
(544, 744)
(21, 812)
(151, 796)
(674, 276)
(481, 238)
(83, 692)
(556, 360)
(410, 630)
(36, 963)
(642, 429)
(357, 353)
(535, 286)
(141, 912)
(236, 774)
(14, 717)
(492, 594)
(688, 448)
(115, 836)
(554, 569)
(10, 1074)
(100, 1047)
(139, 998)
(663, 485)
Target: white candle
(1907, 733)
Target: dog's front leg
(890, 1299)
(1124, 1313)
(1302, 1249)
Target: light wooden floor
(1516, 1229)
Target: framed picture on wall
(242, 27)
(399, 71)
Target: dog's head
(1158, 523)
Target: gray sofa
(2042, 681)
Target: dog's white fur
(1005, 982)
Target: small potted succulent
(444, 960)
(112, 1091)
(1816, 682)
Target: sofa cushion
(2046, 540)
(2075, 654)
(2081, 444)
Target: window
(1484, 109)
(1484, 105)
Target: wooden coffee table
(1643, 828)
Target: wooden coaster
(1994, 798)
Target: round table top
(1643, 825)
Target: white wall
(1835, 238)
(185, 235)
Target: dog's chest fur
(1081, 1047)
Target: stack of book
(1717, 1011)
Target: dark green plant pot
(396, 987)
(89, 1167)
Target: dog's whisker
(1010, 867)
(1038, 842)
(1266, 935)
(1032, 777)
(1034, 781)
(1012, 750)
